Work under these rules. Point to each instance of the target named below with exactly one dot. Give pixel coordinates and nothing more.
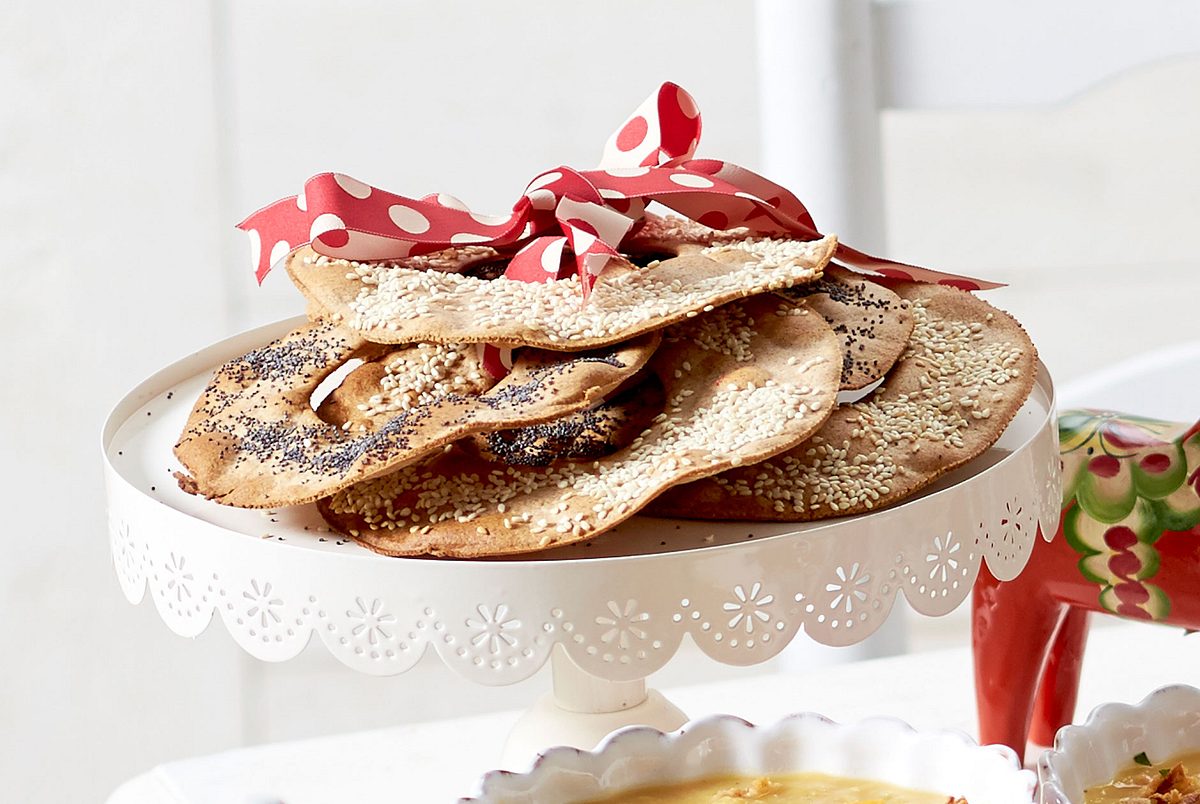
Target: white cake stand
(607, 612)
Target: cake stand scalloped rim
(619, 618)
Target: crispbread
(873, 322)
(253, 439)
(408, 377)
(675, 235)
(743, 382)
(581, 436)
(400, 303)
(966, 373)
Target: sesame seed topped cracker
(725, 401)
(966, 372)
(406, 378)
(405, 303)
(671, 234)
(254, 440)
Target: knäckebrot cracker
(399, 303)
(967, 370)
(873, 322)
(582, 436)
(743, 382)
(253, 439)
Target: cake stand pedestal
(606, 613)
(582, 709)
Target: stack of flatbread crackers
(699, 379)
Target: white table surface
(441, 760)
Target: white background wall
(133, 134)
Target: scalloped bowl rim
(1092, 752)
(636, 756)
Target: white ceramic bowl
(884, 749)
(1166, 723)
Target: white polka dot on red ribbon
(589, 212)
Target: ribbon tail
(785, 208)
(864, 263)
(591, 265)
(751, 184)
(720, 211)
(724, 209)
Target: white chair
(827, 68)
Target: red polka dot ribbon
(588, 212)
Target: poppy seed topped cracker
(253, 439)
(403, 303)
(966, 372)
(873, 322)
(582, 436)
(740, 383)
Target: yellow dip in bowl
(791, 788)
(1128, 753)
(801, 759)
(1176, 781)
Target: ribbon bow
(649, 158)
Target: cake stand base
(546, 723)
(582, 710)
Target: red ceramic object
(1128, 545)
